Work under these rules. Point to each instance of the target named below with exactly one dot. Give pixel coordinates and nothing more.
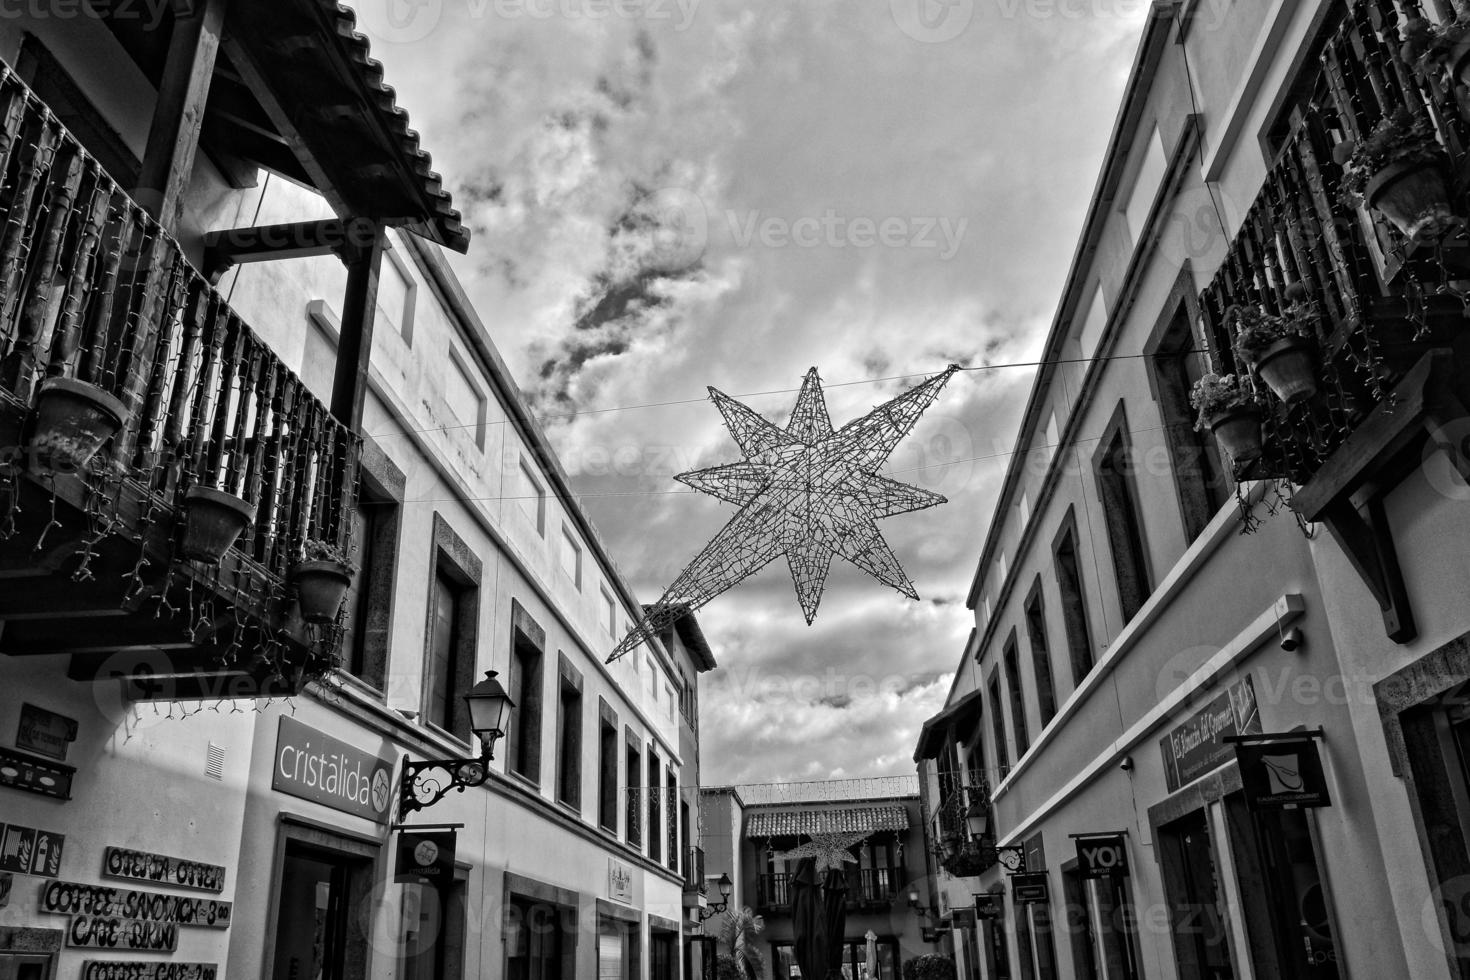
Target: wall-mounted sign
(71, 898)
(1012, 859)
(990, 905)
(963, 918)
(426, 856)
(315, 766)
(26, 772)
(619, 881)
(120, 862)
(1030, 889)
(30, 851)
(45, 732)
(1199, 744)
(1102, 855)
(1281, 772)
(109, 970)
(116, 932)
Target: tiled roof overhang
(959, 716)
(796, 822)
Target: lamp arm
(426, 783)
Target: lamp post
(726, 887)
(977, 819)
(426, 783)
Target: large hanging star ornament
(830, 850)
(805, 491)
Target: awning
(841, 820)
(960, 716)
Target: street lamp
(977, 819)
(726, 887)
(426, 783)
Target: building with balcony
(236, 369)
(888, 885)
(1175, 629)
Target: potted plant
(1431, 47)
(213, 521)
(1227, 409)
(73, 420)
(1399, 171)
(322, 578)
(1280, 349)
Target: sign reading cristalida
(425, 857)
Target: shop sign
(964, 918)
(117, 932)
(72, 898)
(110, 970)
(120, 862)
(30, 851)
(1282, 772)
(619, 881)
(1199, 745)
(45, 732)
(1011, 858)
(315, 766)
(24, 772)
(1030, 889)
(990, 905)
(426, 856)
(1102, 856)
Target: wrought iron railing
(865, 886)
(634, 796)
(92, 288)
(1373, 292)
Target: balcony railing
(694, 870)
(865, 887)
(1376, 296)
(634, 797)
(91, 288)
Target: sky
(667, 195)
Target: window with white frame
(1146, 185)
(465, 399)
(571, 556)
(610, 613)
(1093, 323)
(397, 294)
(530, 496)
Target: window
(397, 293)
(465, 399)
(1113, 468)
(671, 791)
(530, 496)
(1074, 599)
(569, 736)
(609, 613)
(1023, 508)
(635, 779)
(998, 724)
(1046, 694)
(1018, 700)
(669, 701)
(449, 650)
(524, 741)
(1175, 364)
(1000, 570)
(571, 556)
(654, 824)
(366, 613)
(1093, 324)
(607, 767)
(1151, 171)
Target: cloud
(662, 203)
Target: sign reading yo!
(315, 766)
(1102, 855)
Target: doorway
(1196, 902)
(317, 936)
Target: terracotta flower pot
(1289, 367)
(1238, 431)
(73, 421)
(1459, 62)
(213, 521)
(320, 588)
(1414, 198)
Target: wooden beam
(1368, 544)
(236, 246)
(359, 309)
(173, 136)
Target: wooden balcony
(1390, 314)
(92, 289)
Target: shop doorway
(663, 947)
(25, 966)
(617, 948)
(317, 935)
(1197, 915)
(997, 952)
(1305, 944)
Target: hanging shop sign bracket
(1282, 770)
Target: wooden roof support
(223, 249)
(359, 308)
(173, 136)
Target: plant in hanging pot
(213, 522)
(322, 578)
(1227, 409)
(1431, 48)
(73, 420)
(1399, 171)
(1280, 349)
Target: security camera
(1127, 764)
(1292, 640)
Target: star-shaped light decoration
(830, 850)
(805, 491)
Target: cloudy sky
(670, 194)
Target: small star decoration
(830, 850)
(807, 492)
